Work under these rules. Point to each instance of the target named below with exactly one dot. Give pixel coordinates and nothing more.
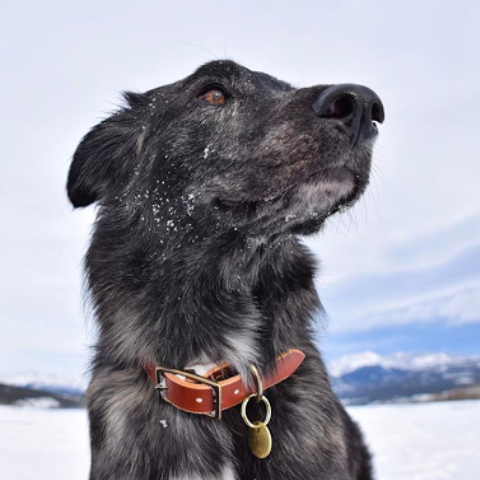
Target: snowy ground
(426, 441)
(438, 441)
(43, 444)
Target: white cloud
(457, 305)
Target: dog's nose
(355, 107)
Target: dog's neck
(204, 302)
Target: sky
(400, 271)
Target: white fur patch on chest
(200, 368)
(239, 352)
(242, 350)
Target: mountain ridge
(398, 360)
(359, 378)
(368, 377)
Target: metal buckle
(216, 387)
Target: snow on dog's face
(230, 148)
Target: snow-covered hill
(368, 377)
(49, 382)
(399, 361)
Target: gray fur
(195, 259)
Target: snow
(38, 402)
(43, 444)
(163, 423)
(399, 360)
(350, 363)
(434, 441)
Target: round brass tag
(260, 440)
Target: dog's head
(233, 149)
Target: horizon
(337, 367)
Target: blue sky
(401, 271)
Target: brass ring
(258, 381)
(244, 412)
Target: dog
(203, 188)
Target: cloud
(457, 308)
(449, 292)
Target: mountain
(44, 390)
(357, 379)
(368, 377)
(27, 397)
(69, 384)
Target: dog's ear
(107, 155)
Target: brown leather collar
(207, 394)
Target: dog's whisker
(206, 50)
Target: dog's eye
(213, 94)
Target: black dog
(203, 186)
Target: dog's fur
(195, 259)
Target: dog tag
(260, 440)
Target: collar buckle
(162, 387)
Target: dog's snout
(355, 107)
